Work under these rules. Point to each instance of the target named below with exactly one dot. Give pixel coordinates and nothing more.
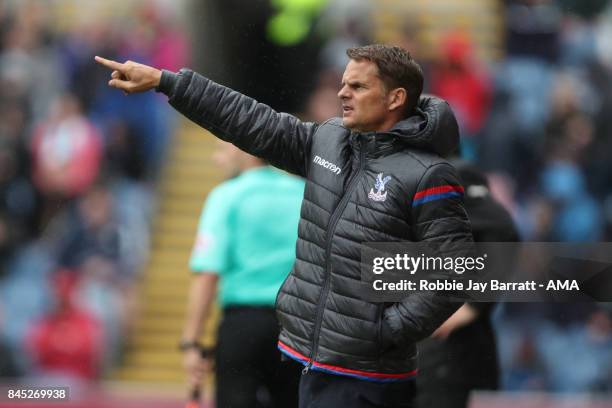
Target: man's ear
(397, 98)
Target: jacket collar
(432, 127)
(375, 144)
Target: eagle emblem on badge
(379, 185)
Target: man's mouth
(346, 109)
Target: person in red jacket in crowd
(463, 82)
(67, 342)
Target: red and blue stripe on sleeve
(436, 193)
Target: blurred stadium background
(100, 193)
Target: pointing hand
(131, 77)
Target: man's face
(364, 98)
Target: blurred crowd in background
(79, 161)
(78, 169)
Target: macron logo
(328, 165)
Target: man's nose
(343, 93)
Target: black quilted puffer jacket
(361, 187)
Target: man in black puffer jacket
(376, 175)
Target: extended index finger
(110, 63)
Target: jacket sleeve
(279, 138)
(439, 217)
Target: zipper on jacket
(335, 217)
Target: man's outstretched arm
(280, 138)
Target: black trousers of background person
(321, 390)
(249, 370)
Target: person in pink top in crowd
(66, 150)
